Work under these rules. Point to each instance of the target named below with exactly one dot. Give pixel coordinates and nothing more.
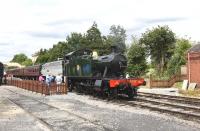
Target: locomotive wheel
(70, 88)
(104, 95)
(130, 93)
(113, 93)
(79, 88)
(135, 92)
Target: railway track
(181, 107)
(175, 111)
(44, 123)
(184, 107)
(30, 104)
(181, 99)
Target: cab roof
(79, 52)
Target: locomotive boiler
(112, 65)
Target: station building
(193, 64)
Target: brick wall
(193, 67)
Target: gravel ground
(165, 91)
(96, 114)
(13, 118)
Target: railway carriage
(30, 72)
(33, 72)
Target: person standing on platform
(41, 78)
(58, 82)
(48, 82)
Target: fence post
(36, 84)
(42, 89)
(150, 81)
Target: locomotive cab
(78, 63)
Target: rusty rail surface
(39, 87)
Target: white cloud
(28, 25)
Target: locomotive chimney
(114, 49)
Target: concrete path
(13, 118)
(166, 91)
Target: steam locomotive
(103, 75)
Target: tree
(94, 39)
(179, 57)
(22, 59)
(160, 43)
(27, 62)
(58, 51)
(43, 56)
(136, 59)
(76, 41)
(117, 37)
(19, 58)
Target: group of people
(49, 79)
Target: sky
(26, 26)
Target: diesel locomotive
(103, 75)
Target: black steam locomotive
(103, 75)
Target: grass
(178, 85)
(190, 93)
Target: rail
(39, 87)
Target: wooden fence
(39, 87)
(167, 83)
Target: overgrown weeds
(190, 93)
